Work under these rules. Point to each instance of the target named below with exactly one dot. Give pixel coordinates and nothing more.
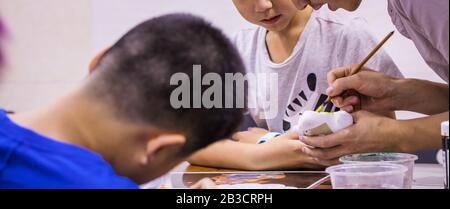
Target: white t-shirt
(329, 40)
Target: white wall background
(112, 18)
(47, 49)
(52, 40)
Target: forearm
(420, 134)
(226, 154)
(420, 96)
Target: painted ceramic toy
(313, 123)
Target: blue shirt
(30, 160)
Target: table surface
(426, 176)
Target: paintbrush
(360, 66)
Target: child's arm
(283, 152)
(226, 154)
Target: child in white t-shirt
(298, 48)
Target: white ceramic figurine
(313, 123)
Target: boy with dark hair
(119, 129)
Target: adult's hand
(370, 133)
(376, 90)
(380, 93)
(375, 133)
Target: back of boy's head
(134, 77)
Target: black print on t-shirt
(295, 106)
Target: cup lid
(366, 169)
(379, 157)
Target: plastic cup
(367, 176)
(395, 158)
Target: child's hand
(284, 152)
(251, 136)
(205, 183)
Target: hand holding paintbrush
(360, 66)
